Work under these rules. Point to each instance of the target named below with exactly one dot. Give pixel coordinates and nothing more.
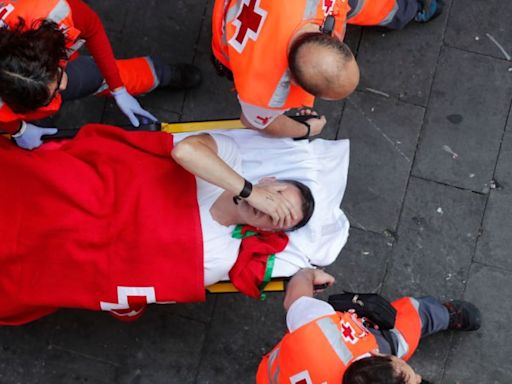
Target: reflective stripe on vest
(271, 359)
(310, 9)
(332, 334)
(355, 11)
(282, 90)
(390, 15)
(59, 12)
(403, 345)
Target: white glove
(130, 106)
(29, 135)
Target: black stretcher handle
(71, 133)
(318, 287)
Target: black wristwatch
(244, 193)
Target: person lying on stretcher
(113, 220)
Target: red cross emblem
(4, 12)
(348, 333)
(248, 24)
(327, 6)
(301, 378)
(264, 120)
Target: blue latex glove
(131, 107)
(29, 136)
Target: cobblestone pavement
(428, 199)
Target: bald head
(323, 65)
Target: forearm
(198, 155)
(98, 44)
(283, 126)
(301, 284)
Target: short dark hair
(29, 62)
(308, 203)
(319, 39)
(373, 370)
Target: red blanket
(108, 221)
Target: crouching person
(346, 346)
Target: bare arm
(302, 284)
(198, 155)
(283, 126)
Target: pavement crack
(84, 355)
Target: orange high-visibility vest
(252, 38)
(33, 11)
(321, 350)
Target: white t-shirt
(220, 250)
(306, 309)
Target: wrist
(244, 193)
(308, 130)
(118, 90)
(20, 131)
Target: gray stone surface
(383, 133)
(429, 86)
(361, 266)
(401, 63)
(465, 120)
(436, 239)
(472, 25)
(493, 245)
(485, 356)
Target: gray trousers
(434, 318)
(85, 78)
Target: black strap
(386, 334)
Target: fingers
(306, 112)
(133, 119)
(48, 131)
(146, 114)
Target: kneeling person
(325, 346)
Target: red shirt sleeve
(97, 42)
(10, 127)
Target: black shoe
(184, 76)
(464, 316)
(428, 10)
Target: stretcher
(277, 284)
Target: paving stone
(112, 21)
(361, 266)
(493, 245)
(436, 239)
(241, 332)
(152, 349)
(383, 134)
(401, 63)
(429, 358)
(485, 356)
(22, 352)
(332, 110)
(465, 120)
(77, 113)
(471, 22)
(215, 99)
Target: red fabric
(248, 272)
(10, 121)
(107, 210)
(97, 42)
